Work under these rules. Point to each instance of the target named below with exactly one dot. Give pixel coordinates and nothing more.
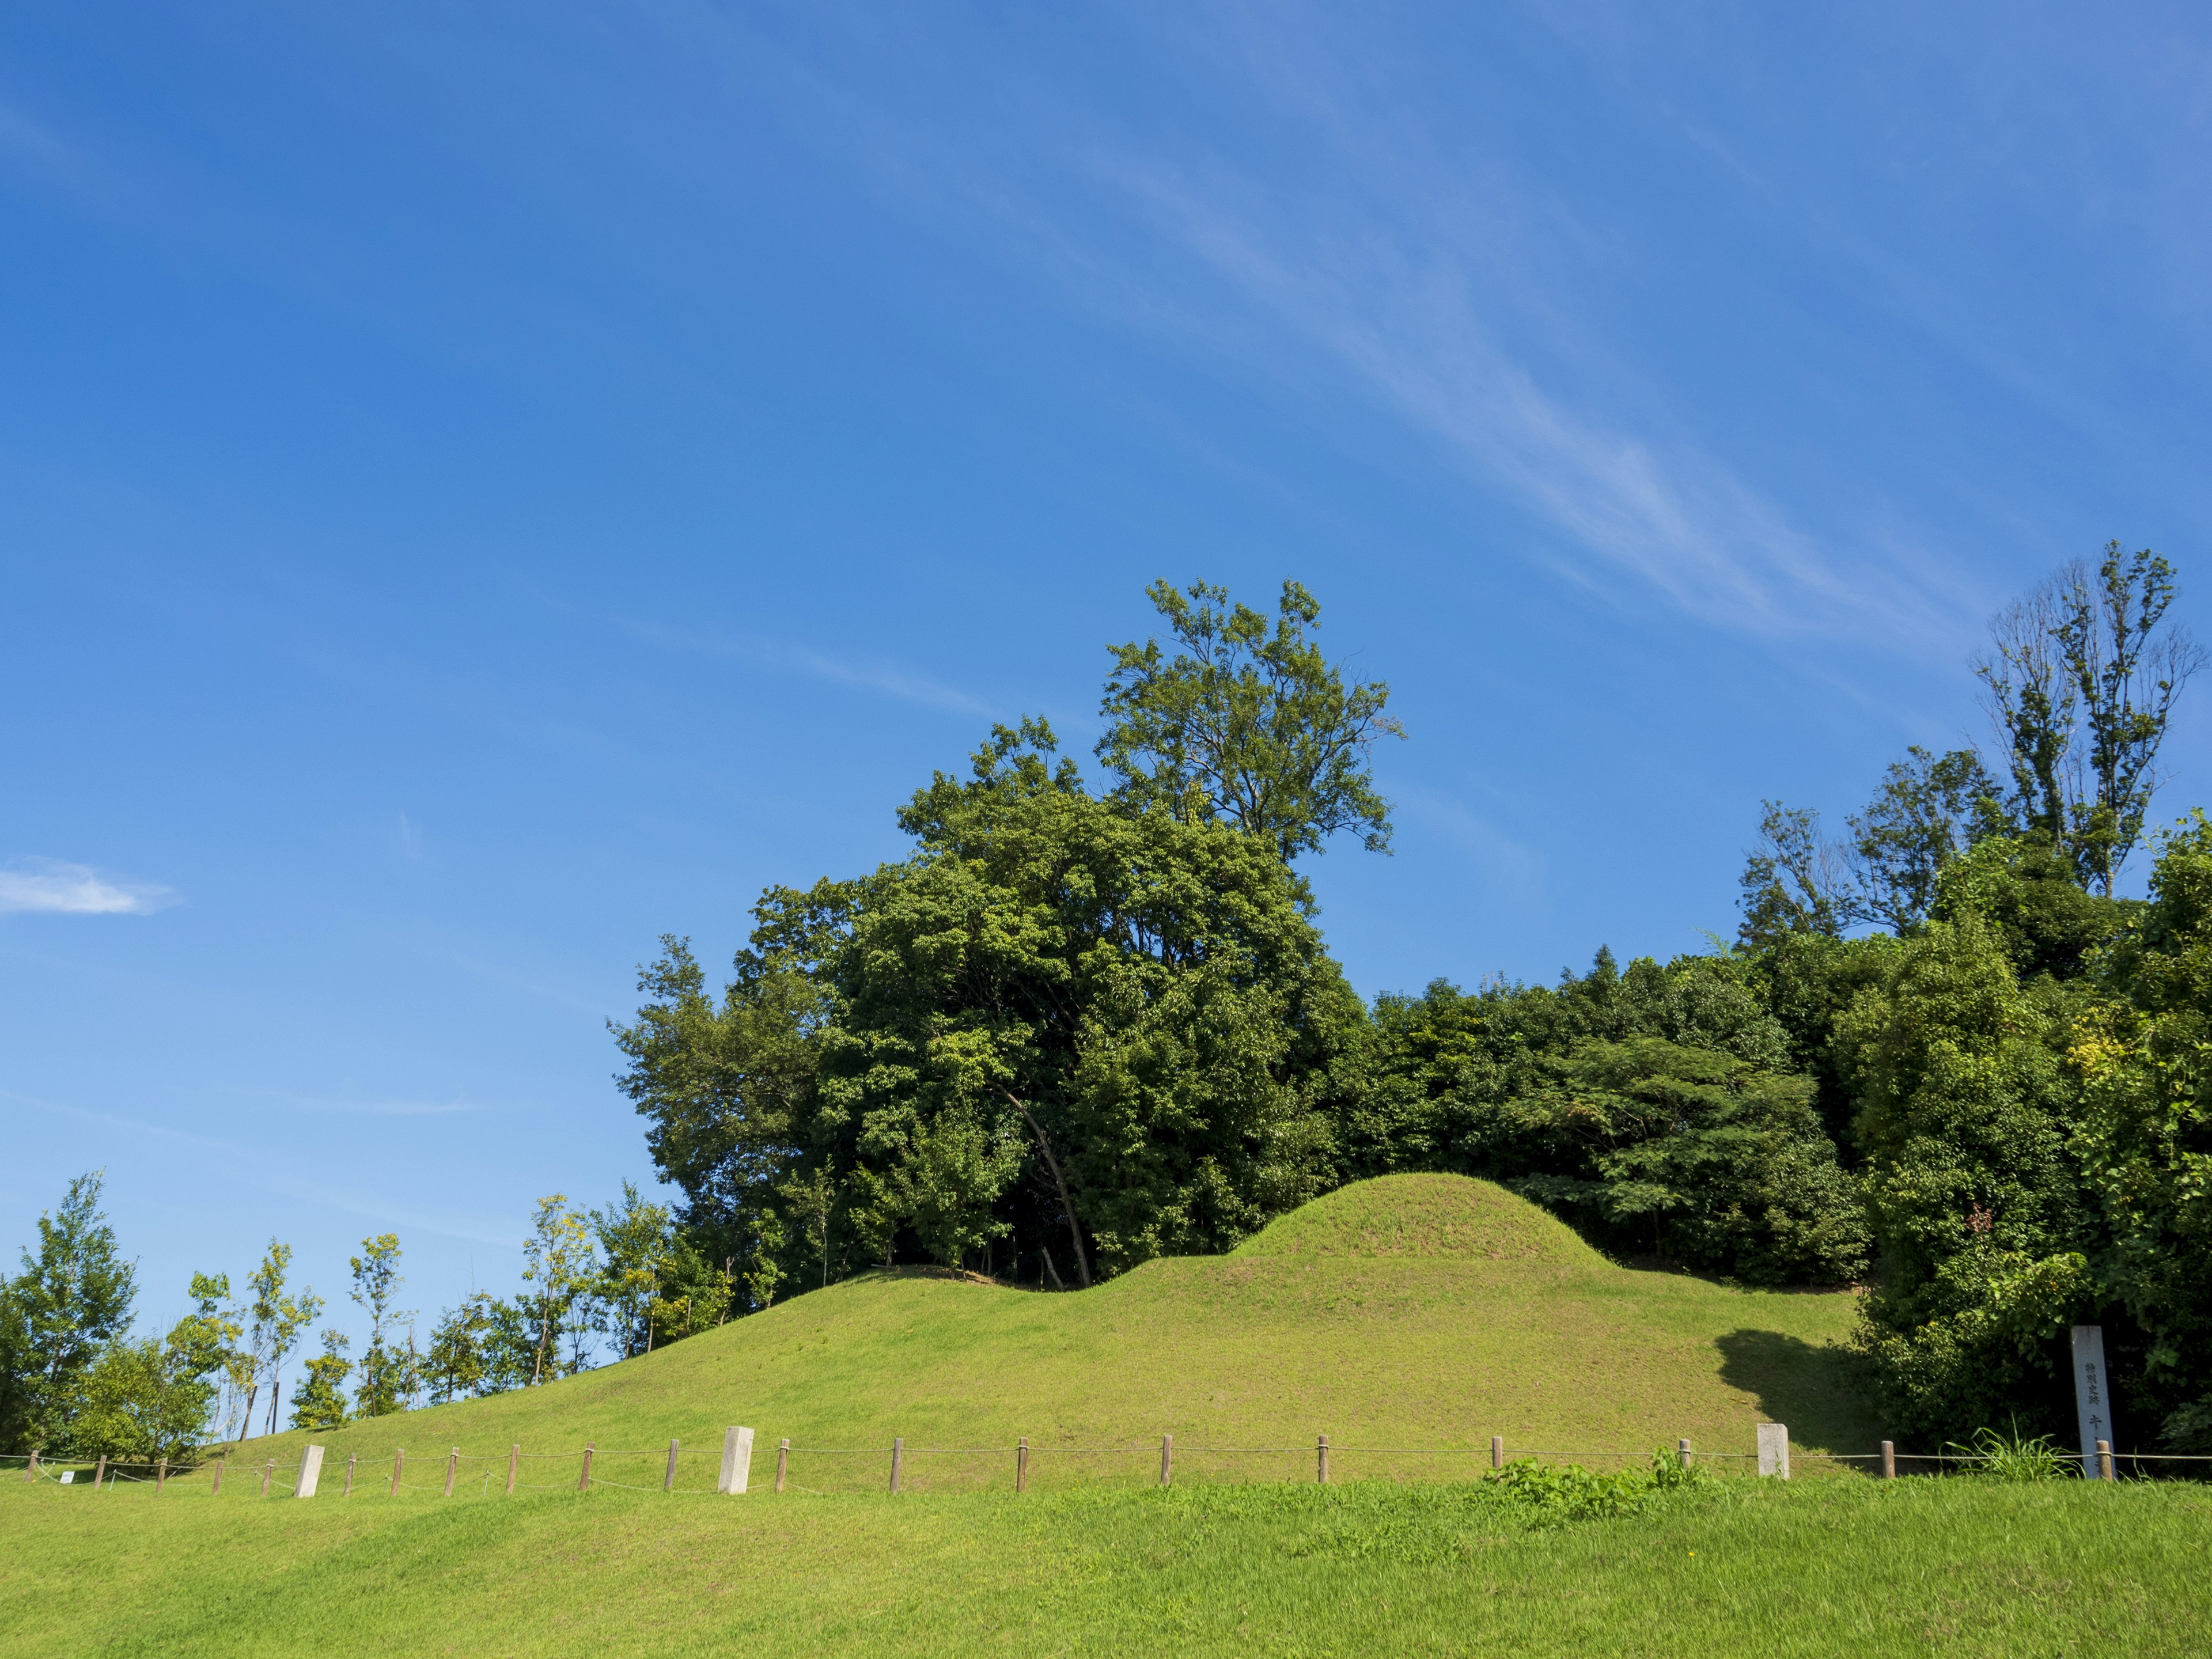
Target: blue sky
(482, 487)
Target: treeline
(1082, 1026)
(624, 1279)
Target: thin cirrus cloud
(54, 887)
(880, 676)
(1382, 265)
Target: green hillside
(1412, 1311)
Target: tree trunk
(1060, 1181)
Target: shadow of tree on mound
(1818, 1389)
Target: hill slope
(1411, 1311)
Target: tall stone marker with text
(737, 1460)
(2093, 1394)
(311, 1471)
(1774, 1450)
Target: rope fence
(674, 1470)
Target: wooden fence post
(668, 1480)
(452, 1465)
(398, 1462)
(584, 1480)
(898, 1456)
(99, 1469)
(160, 1476)
(268, 1473)
(2104, 1460)
(215, 1489)
(1167, 1459)
(514, 1463)
(1889, 1460)
(1682, 1454)
(1022, 1464)
(31, 1470)
(1321, 1460)
(1497, 1451)
(351, 1459)
(783, 1460)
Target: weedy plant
(2017, 1456)
(1555, 1495)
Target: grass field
(1414, 1311)
(1743, 1567)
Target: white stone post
(311, 1471)
(1774, 1450)
(737, 1460)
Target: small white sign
(69, 1477)
(2093, 1394)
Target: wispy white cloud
(1439, 286)
(56, 887)
(349, 1200)
(378, 1106)
(889, 678)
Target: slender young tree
(1928, 809)
(269, 1311)
(559, 1261)
(294, 1315)
(385, 1379)
(633, 1239)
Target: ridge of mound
(1435, 1216)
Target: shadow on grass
(1818, 1389)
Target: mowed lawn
(1410, 1312)
(1841, 1566)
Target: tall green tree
(69, 1301)
(1090, 1027)
(2082, 679)
(1247, 722)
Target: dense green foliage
(1066, 1023)
(1652, 1108)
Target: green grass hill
(1412, 1311)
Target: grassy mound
(1854, 1568)
(1424, 1312)
(1423, 1215)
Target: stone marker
(1774, 1450)
(2093, 1396)
(311, 1471)
(737, 1460)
